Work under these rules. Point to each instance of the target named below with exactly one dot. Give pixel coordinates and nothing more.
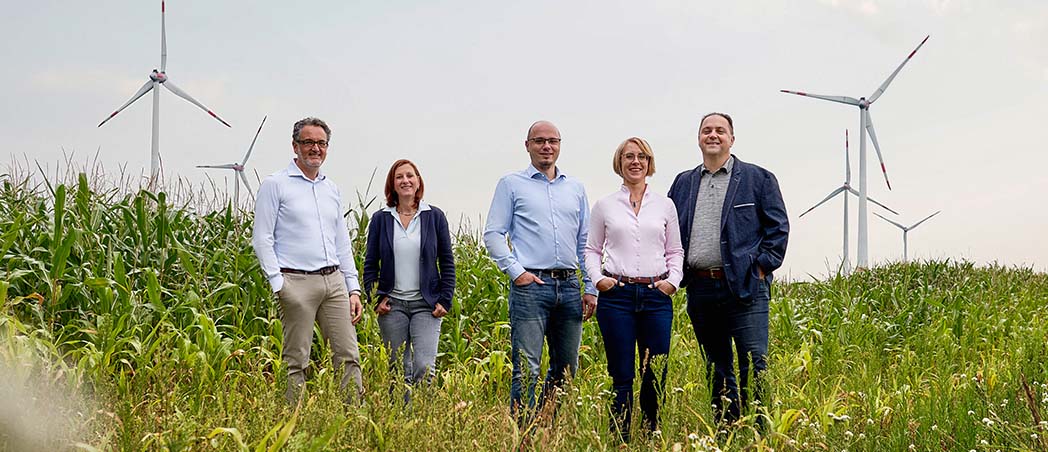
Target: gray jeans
(322, 299)
(409, 329)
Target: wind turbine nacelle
(863, 103)
(238, 167)
(158, 76)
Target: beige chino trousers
(323, 299)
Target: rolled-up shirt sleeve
(499, 226)
(674, 249)
(595, 242)
(344, 250)
(267, 204)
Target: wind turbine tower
(156, 80)
(238, 169)
(906, 230)
(845, 189)
(865, 125)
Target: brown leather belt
(320, 271)
(708, 273)
(555, 273)
(637, 279)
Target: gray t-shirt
(704, 249)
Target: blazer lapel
(693, 195)
(390, 228)
(425, 225)
(733, 188)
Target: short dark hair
(723, 115)
(310, 121)
(391, 192)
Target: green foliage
(164, 320)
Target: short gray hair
(310, 121)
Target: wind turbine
(156, 80)
(906, 230)
(846, 189)
(865, 125)
(238, 168)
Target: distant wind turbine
(905, 230)
(238, 168)
(156, 79)
(865, 125)
(846, 189)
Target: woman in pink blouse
(634, 242)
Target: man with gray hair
(303, 246)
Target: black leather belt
(555, 273)
(649, 280)
(320, 271)
(708, 273)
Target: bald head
(544, 125)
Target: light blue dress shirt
(545, 221)
(407, 251)
(299, 224)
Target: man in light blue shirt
(303, 246)
(536, 233)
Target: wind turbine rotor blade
(847, 159)
(246, 184)
(178, 92)
(856, 193)
(884, 86)
(877, 147)
(925, 219)
(163, 38)
(226, 166)
(904, 228)
(841, 99)
(827, 198)
(250, 148)
(141, 92)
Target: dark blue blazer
(754, 225)
(436, 263)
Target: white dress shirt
(299, 225)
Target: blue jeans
(635, 317)
(720, 319)
(550, 312)
(410, 330)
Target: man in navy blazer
(734, 230)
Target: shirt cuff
(515, 271)
(277, 282)
(352, 285)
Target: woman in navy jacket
(409, 256)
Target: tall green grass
(161, 322)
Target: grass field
(129, 323)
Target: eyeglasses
(543, 141)
(637, 157)
(308, 144)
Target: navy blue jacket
(436, 263)
(754, 225)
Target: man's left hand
(589, 306)
(355, 307)
(760, 272)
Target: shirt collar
(422, 207)
(728, 165)
(294, 170)
(531, 171)
(625, 191)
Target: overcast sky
(453, 85)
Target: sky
(453, 85)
